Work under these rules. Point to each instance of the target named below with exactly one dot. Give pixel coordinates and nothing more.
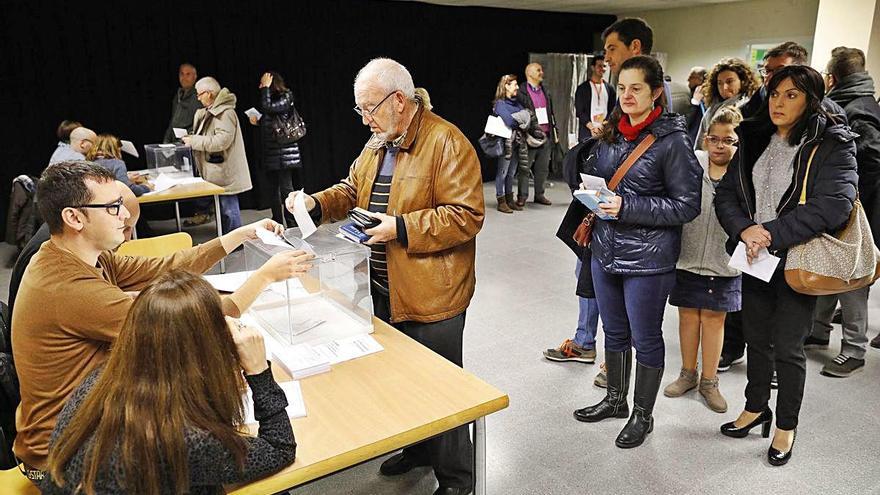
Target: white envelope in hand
(762, 267)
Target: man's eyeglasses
(765, 72)
(112, 208)
(715, 141)
(370, 113)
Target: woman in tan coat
(219, 148)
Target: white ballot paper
(762, 266)
(253, 112)
(271, 239)
(496, 127)
(296, 406)
(178, 132)
(231, 282)
(301, 214)
(349, 348)
(541, 113)
(128, 147)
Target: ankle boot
(502, 205)
(619, 365)
(642, 421)
(714, 399)
(687, 381)
(512, 203)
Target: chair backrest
(155, 247)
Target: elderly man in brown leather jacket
(420, 177)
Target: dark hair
(748, 82)
(845, 61)
(278, 85)
(65, 128)
(632, 28)
(653, 73)
(63, 185)
(788, 49)
(806, 79)
(597, 57)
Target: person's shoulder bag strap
(630, 160)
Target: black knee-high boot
(641, 422)
(614, 405)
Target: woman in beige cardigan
(219, 148)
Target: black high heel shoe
(777, 458)
(764, 419)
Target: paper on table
(301, 214)
(496, 127)
(761, 267)
(541, 113)
(272, 239)
(164, 182)
(231, 282)
(349, 348)
(296, 406)
(178, 132)
(128, 147)
(253, 112)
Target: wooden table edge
(284, 481)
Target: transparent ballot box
(331, 302)
(175, 160)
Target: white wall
(702, 35)
(841, 23)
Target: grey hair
(208, 84)
(387, 75)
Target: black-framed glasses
(112, 208)
(715, 141)
(363, 113)
(765, 72)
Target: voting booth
(331, 302)
(169, 159)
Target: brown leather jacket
(437, 189)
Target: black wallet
(362, 219)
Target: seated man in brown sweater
(73, 296)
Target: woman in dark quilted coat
(634, 253)
(281, 162)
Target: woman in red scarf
(635, 252)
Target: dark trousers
(734, 341)
(776, 321)
(281, 184)
(631, 308)
(451, 454)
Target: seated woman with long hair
(165, 414)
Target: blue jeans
(632, 308)
(505, 174)
(588, 318)
(230, 214)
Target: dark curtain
(113, 66)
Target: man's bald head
(82, 139)
(534, 73)
(129, 200)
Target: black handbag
(493, 146)
(288, 129)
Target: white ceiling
(579, 6)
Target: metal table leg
(219, 228)
(480, 456)
(177, 216)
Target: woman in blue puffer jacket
(634, 254)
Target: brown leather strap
(630, 160)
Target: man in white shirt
(594, 100)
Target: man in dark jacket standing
(184, 104)
(593, 100)
(851, 87)
(788, 53)
(536, 98)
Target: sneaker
(601, 379)
(815, 343)
(569, 351)
(728, 361)
(843, 366)
(774, 381)
(875, 342)
(198, 219)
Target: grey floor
(525, 303)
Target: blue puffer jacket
(660, 193)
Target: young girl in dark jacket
(757, 204)
(634, 254)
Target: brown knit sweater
(66, 316)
